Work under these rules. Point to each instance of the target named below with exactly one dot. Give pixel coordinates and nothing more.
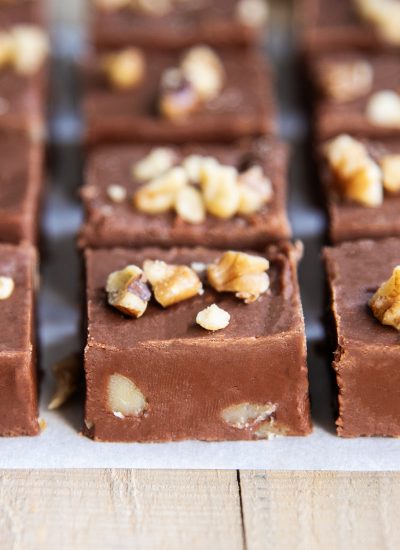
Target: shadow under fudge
(189, 375)
(109, 224)
(245, 106)
(212, 22)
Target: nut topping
(124, 398)
(390, 166)
(255, 190)
(112, 5)
(241, 273)
(6, 49)
(156, 163)
(125, 69)
(384, 15)
(199, 78)
(385, 303)
(383, 109)
(357, 176)
(116, 193)
(6, 287)
(345, 81)
(159, 195)
(213, 318)
(189, 205)
(247, 415)
(221, 190)
(196, 165)
(30, 47)
(252, 13)
(127, 291)
(171, 283)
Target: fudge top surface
(245, 91)
(355, 271)
(112, 165)
(327, 13)
(274, 313)
(16, 312)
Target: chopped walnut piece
(202, 67)
(156, 163)
(241, 273)
(384, 15)
(390, 166)
(127, 291)
(156, 8)
(68, 374)
(195, 165)
(252, 13)
(383, 109)
(189, 205)
(220, 190)
(124, 398)
(7, 286)
(178, 97)
(385, 303)
(125, 69)
(247, 415)
(159, 195)
(6, 49)
(255, 190)
(171, 283)
(345, 81)
(213, 318)
(30, 46)
(116, 193)
(356, 176)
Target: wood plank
(314, 510)
(121, 509)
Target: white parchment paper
(60, 445)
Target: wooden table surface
(208, 509)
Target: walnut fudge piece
(344, 24)
(197, 94)
(356, 93)
(177, 23)
(117, 215)
(367, 357)
(361, 180)
(163, 377)
(23, 78)
(18, 384)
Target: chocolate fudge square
(21, 185)
(110, 224)
(349, 220)
(336, 25)
(245, 106)
(218, 22)
(349, 94)
(367, 357)
(18, 378)
(190, 377)
(21, 12)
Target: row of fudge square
(154, 373)
(353, 68)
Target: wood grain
(315, 510)
(121, 509)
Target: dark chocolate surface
(368, 353)
(187, 374)
(333, 117)
(18, 390)
(244, 107)
(109, 224)
(349, 220)
(191, 22)
(21, 183)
